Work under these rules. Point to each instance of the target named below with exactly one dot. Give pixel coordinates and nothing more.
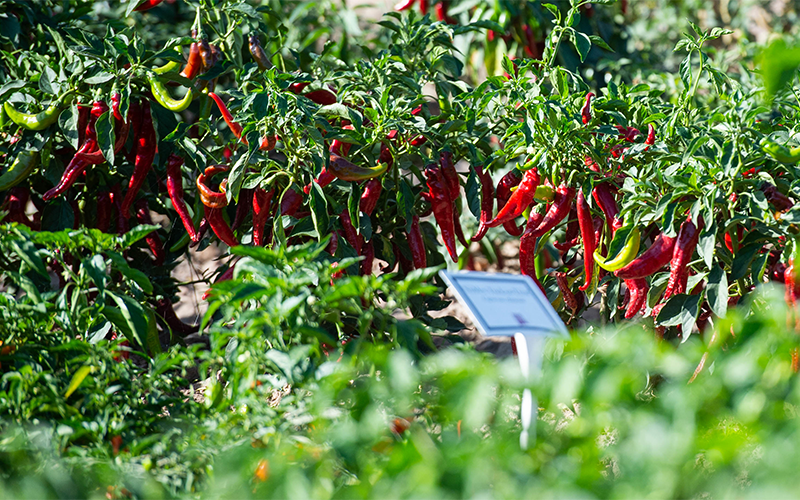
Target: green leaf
(405, 203)
(26, 251)
(717, 291)
(95, 267)
(129, 317)
(105, 135)
(353, 203)
(741, 263)
(779, 63)
(136, 234)
(583, 45)
(596, 40)
(319, 211)
(473, 192)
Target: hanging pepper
(681, 255)
(267, 143)
(104, 208)
(781, 153)
(519, 199)
(122, 221)
(346, 171)
(147, 5)
(370, 196)
(162, 96)
(324, 178)
(214, 202)
(297, 87)
(527, 249)
(442, 208)
(588, 236)
(450, 173)
(557, 211)
(36, 121)
(146, 148)
(606, 201)
(262, 200)
(333, 244)
(292, 201)
(350, 234)
(206, 55)
(638, 289)
(624, 257)
(651, 135)
(175, 191)
(321, 96)
(586, 110)
(19, 170)
(369, 257)
(120, 131)
(403, 5)
(153, 241)
(417, 245)
(487, 202)
(15, 204)
(257, 52)
(563, 286)
(135, 118)
(423, 6)
(83, 120)
(194, 63)
(779, 200)
(572, 234)
(654, 258)
(242, 207)
(74, 169)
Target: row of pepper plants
(669, 211)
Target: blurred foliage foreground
(621, 414)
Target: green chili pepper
(781, 153)
(170, 66)
(162, 96)
(19, 170)
(624, 257)
(36, 121)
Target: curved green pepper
(170, 66)
(625, 256)
(781, 153)
(19, 170)
(35, 121)
(161, 95)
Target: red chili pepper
(194, 63)
(591, 164)
(146, 148)
(165, 309)
(369, 257)
(135, 118)
(586, 110)
(651, 135)
(298, 87)
(651, 260)
(511, 179)
(242, 207)
(257, 51)
(530, 46)
(572, 234)
(266, 143)
(563, 286)
(291, 203)
(74, 169)
(261, 202)
(729, 239)
(83, 120)
(779, 200)
(116, 197)
(403, 5)
(206, 55)
(385, 155)
(442, 208)
(606, 201)
(147, 5)
(457, 228)
(350, 234)
(321, 96)
(219, 226)
(417, 245)
(588, 236)
(227, 275)
(153, 241)
(423, 6)
(487, 202)
(120, 129)
(638, 289)
(16, 201)
(556, 213)
(681, 255)
(370, 196)
(324, 178)
(519, 200)
(104, 207)
(450, 173)
(175, 191)
(527, 247)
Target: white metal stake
(529, 352)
